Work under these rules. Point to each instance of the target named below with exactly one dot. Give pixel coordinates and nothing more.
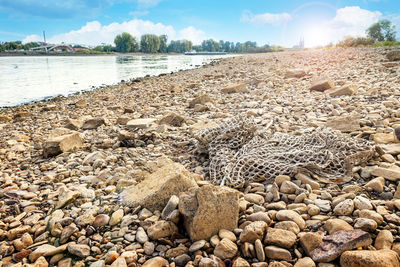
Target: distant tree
(383, 30)
(30, 45)
(163, 43)
(149, 43)
(180, 46)
(126, 43)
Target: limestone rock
(162, 229)
(140, 123)
(226, 249)
(276, 253)
(201, 99)
(63, 143)
(389, 174)
(384, 240)
(93, 123)
(156, 262)
(370, 258)
(321, 84)
(208, 209)
(154, 191)
(310, 241)
(344, 123)
(384, 138)
(280, 238)
(172, 119)
(295, 73)
(305, 262)
(337, 243)
(344, 208)
(290, 215)
(253, 231)
(349, 89)
(234, 88)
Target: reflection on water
(25, 79)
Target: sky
(93, 22)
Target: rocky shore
(117, 177)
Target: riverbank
(65, 162)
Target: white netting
(239, 153)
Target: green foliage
(163, 43)
(350, 41)
(179, 46)
(126, 43)
(383, 30)
(386, 43)
(149, 43)
(104, 48)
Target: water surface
(26, 79)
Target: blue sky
(266, 22)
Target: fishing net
(241, 153)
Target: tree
(126, 43)
(383, 30)
(163, 43)
(149, 43)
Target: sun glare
(315, 36)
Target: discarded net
(239, 153)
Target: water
(27, 79)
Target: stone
(258, 247)
(288, 225)
(288, 187)
(254, 198)
(384, 240)
(321, 84)
(162, 229)
(389, 174)
(370, 258)
(93, 123)
(334, 245)
(370, 214)
(393, 55)
(344, 123)
(43, 250)
(223, 233)
(199, 100)
(79, 250)
(280, 238)
(156, 262)
(172, 119)
(259, 216)
(362, 203)
(65, 197)
(305, 262)
(208, 209)
(310, 241)
(349, 90)
(195, 246)
(101, 220)
(253, 231)
(41, 262)
(276, 253)
(397, 192)
(140, 123)
(240, 262)
(376, 184)
(181, 260)
(344, 208)
(290, 215)
(63, 143)
(234, 88)
(305, 179)
(226, 249)
(172, 204)
(116, 217)
(365, 224)
(72, 124)
(295, 73)
(154, 191)
(141, 236)
(384, 138)
(67, 232)
(119, 262)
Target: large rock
(291, 215)
(369, 258)
(172, 119)
(321, 84)
(154, 191)
(337, 243)
(310, 241)
(201, 99)
(234, 88)
(93, 123)
(56, 145)
(208, 209)
(280, 238)
(162, 229)
(393, 55)
(226, 249)
(389, 174)
(140, 123)
(253, 231)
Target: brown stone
(310, 241)
(64, 143)
(369, 258)
(234, 88)
(321, 84)
(156, 262)
(208, 209)
(349, 89)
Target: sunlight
(315, 36)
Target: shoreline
(7, 54)
(121, 175)
(46, 99)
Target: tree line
(17, 45)
(151, 43)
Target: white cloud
(265, 18)
(93, 33)
(192, 34)
(352, 20)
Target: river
(31, 78)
